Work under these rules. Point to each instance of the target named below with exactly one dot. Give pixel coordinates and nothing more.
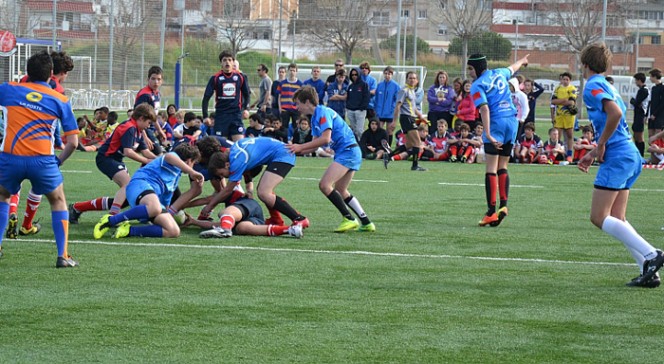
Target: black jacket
(358, 95)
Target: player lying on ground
(149, 192)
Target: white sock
(624, 232)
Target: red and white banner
(7, 43)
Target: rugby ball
(180, 217)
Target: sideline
(331, 252)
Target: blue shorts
(109, 166)
(227, 125)
(503, 130)
(350, 157)
(621, 167)
(42, 171)
(251, 210)
(136, 191)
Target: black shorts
(279, 168)
(251, 210)
(407, 123)
(658, 123)
(109, 166)
(638, 125)
(490, 149)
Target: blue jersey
(492, 89)
(160, 174)
(249, 153)
(325, 118)
(598, 89)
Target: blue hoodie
(358, 92)
(386, 99)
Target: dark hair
(565, 74)
(112, 116)
(104, 109)
(257, 118)
(155, 70)
(436, 82)
(640, 77)
(174, 107)
(217, 160)
(40, 66)
(61, 62)
(207, 147)
(263, 67)
(389, 69)
(529, 125)
(189, 116)
(464, 126)
(187, 151)
(145, 111)
(655, 72)
(292, 65)
(340, 72)
(307, 93)
(587, 129)
(226, 54)
(609, 79)
(463, 87)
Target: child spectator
(438, 142)
(188, 131)
(656, 148)
(464, 147)
(584, 144)
(553, 152)
(370, 142)
(86, 141)
(256, 126)
(111, 124)
(466, 110)
(277, 131)
(528, 145)
(303, 133)
(166, 135)
(480, 157)
(171, 110)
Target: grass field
(428, 287)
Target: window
(380, 18)
(405, 13)
(422, 14)
(442, 29)
(656, 39)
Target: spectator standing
(638, 102)
(520, 101)
(338, 65)
(500, 127)
(231, 91)
(287, 109)
(316, 82)
(274, 90)
(336, 94)
(465, 110)
(656, 106)
(357, 102)
(372, 84)
(441, 101)
(264, 102)
(386, 101)
(563, 110)
(533, 90)
(620, 165)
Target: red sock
(31, 209)
(397, 157)
(503, 186)
(98, 204)
(276, 230)
(13, 203)
(275, 217)
(468, 152)
(227, 222)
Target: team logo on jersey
(229, 89)
(34, 97)
(235, 78)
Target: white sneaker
(216, 232)
(295, 230)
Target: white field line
(318, 251)
(482, 185)
(354, 180)
(74, 171)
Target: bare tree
(339, 23)
(234, 25)
(465, 19)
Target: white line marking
(645, 190)
(317, 251)
(354, 180)
(482, 185)
(74, 171)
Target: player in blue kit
(329, 128)
(245, 159)
(492, 97)
(149, 193)
(31, 111)
(620, 165)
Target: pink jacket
(466, 109)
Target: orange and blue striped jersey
(31, 111)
